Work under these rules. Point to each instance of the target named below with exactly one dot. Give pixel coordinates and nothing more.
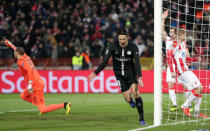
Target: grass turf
(94, 112)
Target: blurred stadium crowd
(60, 28)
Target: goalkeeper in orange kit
(34, 93)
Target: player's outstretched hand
(173, 75)
(30, 90)
(8, 43)
(141, 82)
(92, 76)
(165, 14)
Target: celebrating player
(34, 93)
(188, 78)
(126, 66)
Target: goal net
(193, 16)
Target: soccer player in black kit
(127, 69)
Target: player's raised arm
(102, 65)
(9, 44)
(164, 15)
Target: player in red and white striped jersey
(189, 79)
(170, 61)
(169, 42)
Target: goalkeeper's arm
(9, 44)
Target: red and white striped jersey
(169, 43)
(179, 57)
(169, 52)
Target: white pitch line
(27, 110)
(153, 126)
(144, 128)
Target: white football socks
(187, 94)
(172, 97)
(188, 101)
(198, 101)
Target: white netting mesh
(194, 17)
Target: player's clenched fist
(92, 76)
(141, 82)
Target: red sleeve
(190, 60)
(170, 60)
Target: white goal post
(157, 63)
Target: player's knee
(42, 109)
(127, 99)
(199, 90)
(22, 96)
(136, 94)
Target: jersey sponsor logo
(128, 52)
(123, 59)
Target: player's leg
(198, 100)
(139, 102)
(193, 84)
(38, 100)
(26, 96)
(127, 96)
(171, 90)
(132, 81)
(172, 96)
(44, 109)
(194, 96)
(187, 94)
(125, 89)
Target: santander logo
(61, 82)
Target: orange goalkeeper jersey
(28, 70)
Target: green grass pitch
(90, 112)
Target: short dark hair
(122, 32)
(20, 50)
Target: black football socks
(139, 106)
